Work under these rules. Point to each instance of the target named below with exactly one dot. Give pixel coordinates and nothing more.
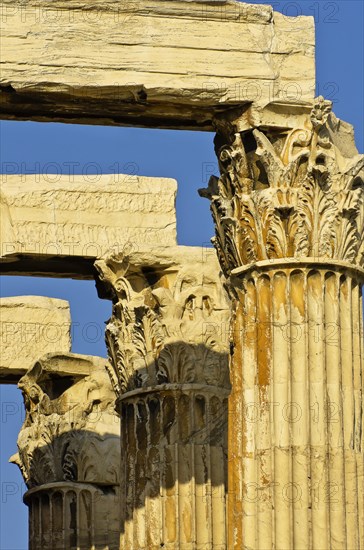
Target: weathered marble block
(150, 62)
(63, 220)
(31, 326)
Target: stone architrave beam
(149, 62)
(31, 326)
(59, 225)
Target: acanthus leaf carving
(288, 194)
(68, 436)
(172, 333)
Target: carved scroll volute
(296, 193)
(66, 433)
(174, 332)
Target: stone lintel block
(30, 327)
(156, 63)
(68, 365)
(59, 225)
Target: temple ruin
(230, 406)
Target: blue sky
(181, 155)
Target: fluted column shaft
(296, 409)
(72, 516)
(174, 467)
(168, 348)
(289, 216)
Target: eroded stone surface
(289, 215)
(168, 348)
(298, 193)
(71, 430)
(69, 453)
(150, 63)
(297, 370)
(61, 224)
(73, 515)
(30, 327)
(181, 311)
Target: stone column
(69, 454)
(168, 348)
(289, 216)
(72, 516)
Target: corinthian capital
(71, 431)
(169, 324)
(293, 192)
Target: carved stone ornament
(171, 332)
(288, 194)
(167, 341)
(289, 214)
(71, 431)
